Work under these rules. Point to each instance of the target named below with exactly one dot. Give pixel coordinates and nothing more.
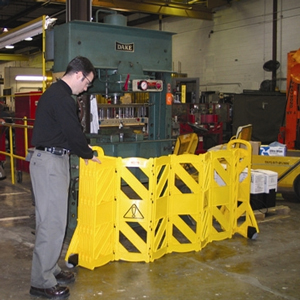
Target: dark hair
(80, 64)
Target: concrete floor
(237, 268)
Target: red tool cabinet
(25, 106)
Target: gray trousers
(50, 182)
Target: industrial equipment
(129, 61)
(287, 167)
(133, 80)
(202, 116)
(185, 94)
(2, 144)
(290, 133)
(185, 90)
(2, 134)
(264, 110)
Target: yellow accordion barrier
(137, 209)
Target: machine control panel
(147, 85)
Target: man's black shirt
(56, 122)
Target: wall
(10, 74)
(228, 53)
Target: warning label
(133, 213)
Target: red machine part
(2, 136)
(211, 128)
(147, 85)
(25, 106)
(290, 133)
(2, 142)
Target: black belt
(54, 150)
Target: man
(57, 130)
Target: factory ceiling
(15, 13)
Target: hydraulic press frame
(126, 60)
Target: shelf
(107, 105)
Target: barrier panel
(185, 200)
(134, 209)
(183, 203)
(94, 236)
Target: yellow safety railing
(177, 209)
(11, 154)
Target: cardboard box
(262, 181)
(257, 182)
(264, 150)
(255, 147)
(272, 150)
(270, 180)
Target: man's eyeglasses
(89, 82)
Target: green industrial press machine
(132, 64)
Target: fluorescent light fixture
(30, 78)
(20, 33)
(9, 46)
(29, 39)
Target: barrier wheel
(72, 261)
(252, 233)
(296, 186)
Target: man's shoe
(65, 277)
(56, 292)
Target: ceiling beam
(13, 57)
(155, 7)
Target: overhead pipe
(274, 42)
(78, 10)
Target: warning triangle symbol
(133, 213)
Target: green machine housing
(127, 60)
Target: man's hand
(95, 159)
